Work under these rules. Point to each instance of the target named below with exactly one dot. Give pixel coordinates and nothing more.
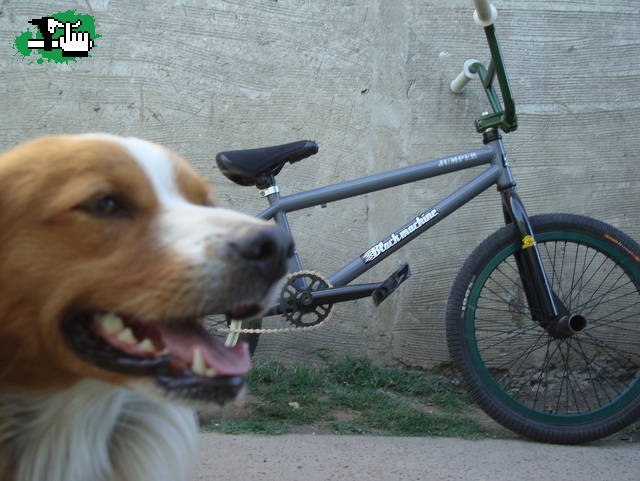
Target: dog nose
(267, 248)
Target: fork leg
(544, 304)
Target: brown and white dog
(111, 250)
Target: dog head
(111, 252)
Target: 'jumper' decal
(457, 159)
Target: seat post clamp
(269, 190)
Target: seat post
(268, 188)
(265, 181)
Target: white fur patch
(185, 227)
(96, 431)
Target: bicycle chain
(289, 329)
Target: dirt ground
(308, 457)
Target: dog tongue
(182, 340)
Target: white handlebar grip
(463, 78)
(485, 13)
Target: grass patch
(431, 389)
(408, 421)
(351, 397)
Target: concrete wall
(368, 80)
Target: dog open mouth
(185, 359)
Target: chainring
(297, 288)
(299, 321)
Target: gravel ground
(299, 457)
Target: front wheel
(569, 387)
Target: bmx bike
(543, 318)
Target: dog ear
(18, 189)
(21, 176)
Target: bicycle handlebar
(485, 13)
(502, 117)
(458, 83)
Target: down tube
(415, 227)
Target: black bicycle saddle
(245, 167)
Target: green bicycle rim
(606, 247)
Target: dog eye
(106, 206)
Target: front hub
(567, 326)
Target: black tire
(218, 325)
(552, 389)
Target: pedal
(391, 284)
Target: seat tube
(294, 263)
(272, 193)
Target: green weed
(386, 401)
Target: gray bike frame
(497, 173)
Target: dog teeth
(111, 323)
(146, 345)
(197, 364)
(126, 335)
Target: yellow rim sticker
(527, 241)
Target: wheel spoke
(562, 379)
(573, 278)
(590, 373)
(584, 272)
(553, 262)
(521, 360)
(601, 284)
(576, 281)
(576, 383)
(516, 332)
(564, 253)
(603, 369)
(592, 308)
(503, 310)
(543, 372)
(589, 339)
(571, 384)
(536, 348)
(514, 283)
(620, 320)
(509, 362)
